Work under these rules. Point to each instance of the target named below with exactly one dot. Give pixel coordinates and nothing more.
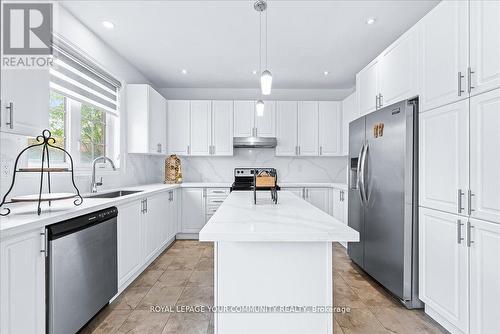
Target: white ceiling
(217, 41)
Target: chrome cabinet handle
(299, 149)
(188, 149)
(45, 249)
(146, 205)
(321, 150)
(459, 79)
(218, 191)
(469, 202)
(460, 193)
(376, 102)
(296, 150)
(158, 148)
(217, 201)
(469, 78)
(10, 123)
(459, 231)
(380, 97)
(469, 231)
(142, 206)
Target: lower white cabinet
(338, 209)
(319, 197)
(22, 284)
(193, 209)
(155, 220)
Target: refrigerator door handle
(362, 177)
(358, 170)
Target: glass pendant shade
(259, 108)
(266, 81)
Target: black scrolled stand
(45, 140)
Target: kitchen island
(273, 264)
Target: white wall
(254, 94)
(290, 169)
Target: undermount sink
(114, 194)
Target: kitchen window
(83, 111)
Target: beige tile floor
(183, 275)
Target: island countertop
(291, 220)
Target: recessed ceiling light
(254, 72)
(184, 71)
(108, 24)
(326, 73)
(371, 20)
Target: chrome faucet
(94, 185)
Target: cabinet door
(485, 155)
(244, 121)
(193, 209)
(129, 229)
(157, 121)
(222, 127)
(173, 213)
(22, 284)
(443, 158)
(266, 124)
(308, 123)
(484, 45)
(444, 54)
(443, 265)
(330, 128)
(367, 88)
(201, 127)
(398, 69)
(484, 277)
(178, 126)
(338, 204)
(286, 128)
(349, 113)
(319, 197)
(296, 191)
(28, 91)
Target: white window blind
(79, 78)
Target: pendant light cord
(266, 38)
(260, 43)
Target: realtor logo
(27, 29)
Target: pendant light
(259, 107)
(266, 78)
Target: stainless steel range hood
(254, 142)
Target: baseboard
(442, 321)
(187, 236)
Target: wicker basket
(265, 180)
(173, 172)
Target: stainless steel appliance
(81, 268)
(383, 197)
(244, 178)
(255, 142)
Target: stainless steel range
(244, 178)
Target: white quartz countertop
(291, 220)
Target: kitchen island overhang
(273, 264)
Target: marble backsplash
(290, 169)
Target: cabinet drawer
(217, 201)
(212, 192)
(211, 210)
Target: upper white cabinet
(443, 158)
(200, 127)
(443, 266)
(485, 156)
(146, 120)
(484, 45)
(330, 128)
(222, 128)
(444, 54)
(367, 88)
(349, 113)
(178, 125)
(247, 123)
(308, 118)
(22, 283)
(24, 108)
(286, 128)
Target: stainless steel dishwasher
(81, 268)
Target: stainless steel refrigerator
(383, 197)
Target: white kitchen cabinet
(349, 113)
(248, 124)
(319, 197)
(443, 267)
(222, 128)
(484, 277)
(193, 210)
(444, 54)
(338, 209)
(297, 191)
(146, 119)
(130, 234)
(367, 88)
(484, 45)
(27, 91)
(244, 117)
(201, 128)
(155, 217)
(330, 128)
(444, 158)
(286, 128)
(22, 283)
(173, 212)
(485, 155)
(214, 199)
(307, 137)
(398, 69)
(178, 126)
